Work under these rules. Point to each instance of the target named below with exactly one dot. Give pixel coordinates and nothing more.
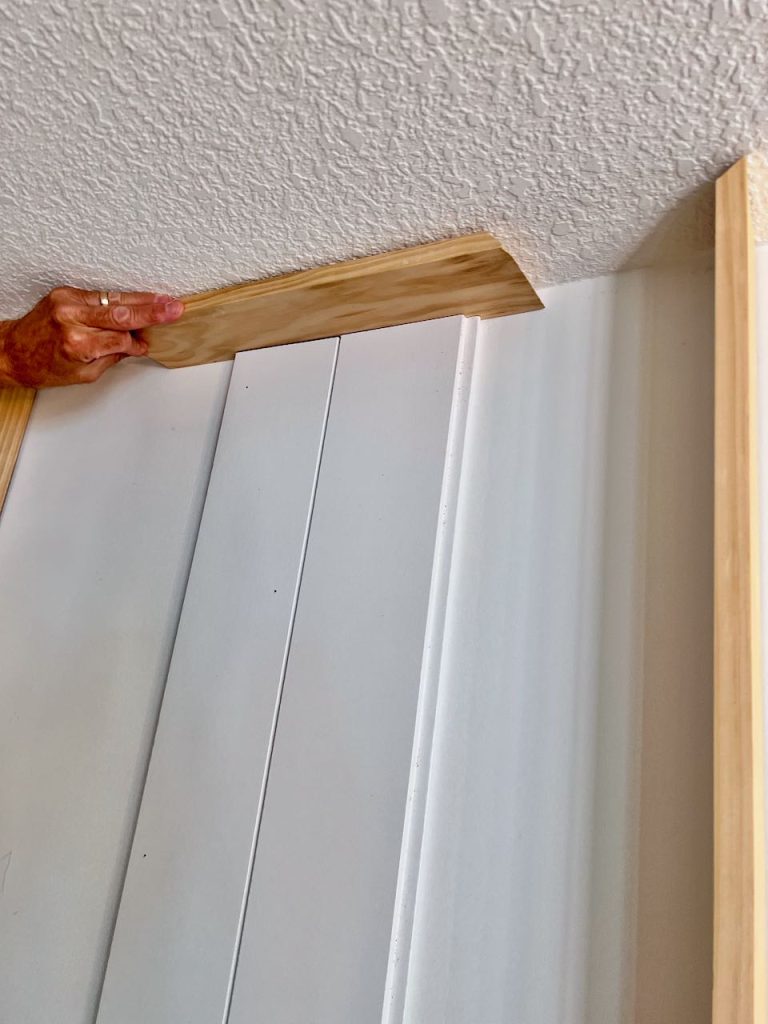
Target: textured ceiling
(182, 145)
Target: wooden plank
(95, 544)
(761, 316)
(180, 914)
(472, 275)
(739, 919)
(15, 407)
(319, 917)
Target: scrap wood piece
(473, 276)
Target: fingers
(82, 338)
(92, 371)
(72, 296)
(104, 343)
(84, 344)
(121, 318)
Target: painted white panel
(565, 864)
(180, 914)
(319, 915)
(95, 543)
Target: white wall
(560, 867)
(96, 539)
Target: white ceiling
(181, 144)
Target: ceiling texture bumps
(185, 145)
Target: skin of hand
(69, 337)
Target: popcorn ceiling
(185, 145)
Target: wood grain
(739, 924)
(472, 275)
(15, 407)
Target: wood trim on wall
(739, 796)
(472, 276)
(15, 407)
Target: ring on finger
(104, 298)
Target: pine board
(472, 275)
(15, 407)
(739, 926)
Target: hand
(71, 338)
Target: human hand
(69, 337)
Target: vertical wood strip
(15, 407)
(739, 917)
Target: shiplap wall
(96, 539)
(558, 855)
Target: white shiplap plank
(96, 538)
(179, 918)
(501, 920)
(565, 867)
(319, 915)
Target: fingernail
(163, 299)
(121, 314)
(174, 308)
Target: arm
(69, 337)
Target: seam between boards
(279, 695)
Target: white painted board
(565, 868)
(96, 538)
(319, 914)
(179, 917)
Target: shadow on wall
(565, 871)
(685, 235)
(656, 685)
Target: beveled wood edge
(739, 775)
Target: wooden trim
(739, 799)
(758, 195)
(472, 275)
(15, 407)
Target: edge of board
(15, 407)
(739, 783)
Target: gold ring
(104, 298)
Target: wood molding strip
(15, 407)
(739, 798)
(473, 276)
